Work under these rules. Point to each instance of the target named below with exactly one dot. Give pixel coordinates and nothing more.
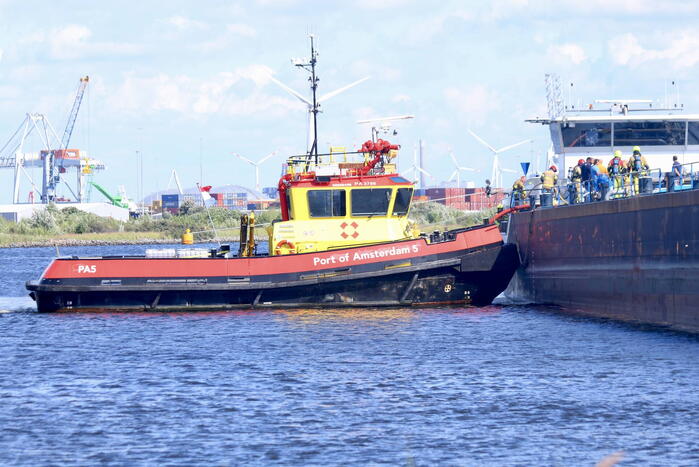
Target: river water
(500, 385)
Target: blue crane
(55, 175)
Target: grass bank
(71, 226)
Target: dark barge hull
(444, 276)
(634, 259)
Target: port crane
(54, 157)
(52, 174)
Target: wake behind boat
(344, 240)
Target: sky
(186, 84)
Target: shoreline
(110, 238)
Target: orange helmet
(581, 162)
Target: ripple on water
(500, 385)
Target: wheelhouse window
(327, 203)
(288, 205)
(370, 201)
(577, 135)
(693, 133)
(649, 133)
(402, 203)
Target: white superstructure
(620, 124)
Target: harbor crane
(53, 157)
(52, 175)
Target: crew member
(586, 170)
(519, 194)
(549, 179)
(614, 169)
(637, 166)
(602, 180)
(576, 179)
(675, 175)
(594, 176)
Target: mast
(314, 86)
(314, 105)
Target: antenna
(313, 104)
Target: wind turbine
(310, 136)
(457, 172)
(496, 174)
(416, 170)
(257, 166)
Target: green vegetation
(431, 215)
(71, 225)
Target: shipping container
(171, 201)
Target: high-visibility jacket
(549, 179)
(576, 174)
(615, 166)
(518, 189)
(637, 162)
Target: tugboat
(344, 240)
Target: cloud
(241, 30)
(276, 2)
(382, 72)
(633, 7)
(476, 102)
(74, 42)
(681, 50)
(231, 33)
(571, 52)
(184, 23)
(401, 98)
(194, 97)
(10, 92)
(1, 53)
(381, 4)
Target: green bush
(53, 221)
(432, 213)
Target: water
(500, 385)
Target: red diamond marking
(355, 235)
(343, 225)
(344, 235)
(354, 225)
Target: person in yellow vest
(519, 194)
(549, 179)
(637, 166)
(548, 182)
(614, 168)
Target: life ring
(285, 243)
